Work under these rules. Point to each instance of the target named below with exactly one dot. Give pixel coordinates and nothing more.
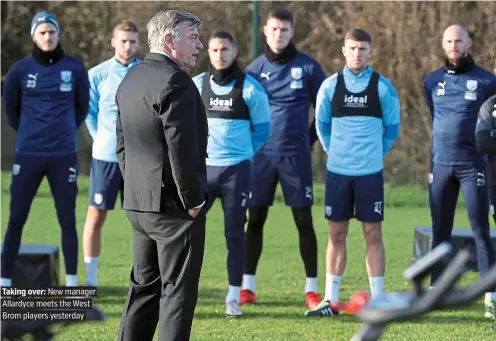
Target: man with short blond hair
(105, 176)
(358, 120)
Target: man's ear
(235, 52)
(169, 40)
(112, 42)
(469, 43)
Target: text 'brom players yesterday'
(50, 304)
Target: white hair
(167, 22)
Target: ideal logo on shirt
(65, 81)
(221, 104)
(352, 101)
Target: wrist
(492, 133)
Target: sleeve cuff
(203, 203)
(191, 199)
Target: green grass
(280, 277)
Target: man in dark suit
(161, 147)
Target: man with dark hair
(358, 120)
(238, 115)
(46, 101)
(105, 176)
(454, 95)
(291, 79)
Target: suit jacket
(162, 134)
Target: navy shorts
(360, 197)
(294, 172)
(105, 183)
(230, 184)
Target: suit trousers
(168, 252)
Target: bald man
(454, 94)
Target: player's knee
(235, 241)
(67, 221)
(256, 218)
(17, 220)
(303, 218)
(95, 217)
(373, 234)
(338, 231)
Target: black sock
(308, 240)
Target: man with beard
(105, 177)
(291, 79)
(454, 95)
(238, 116)
(46, 100)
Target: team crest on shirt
(65, 81)
(296, 73)
(471, 93)
(98, 198)
(16, 169)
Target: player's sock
(311, 285)
(5, 282)
(233, 294)
(71, 280)
(376, 286)
(489, 303)
(249, 283)
(91, 270)
(332, 288)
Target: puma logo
(265, 75)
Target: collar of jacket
(284, 57)
(48, 58)
(227, 75)
(161, 55)
(465, 64)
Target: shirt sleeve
(323, 111)
(318, 76)
(92, 118)
(391, 115)
(484, 128)
(82, 96)
(428, 96)
(12, 97)
(257, 101)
